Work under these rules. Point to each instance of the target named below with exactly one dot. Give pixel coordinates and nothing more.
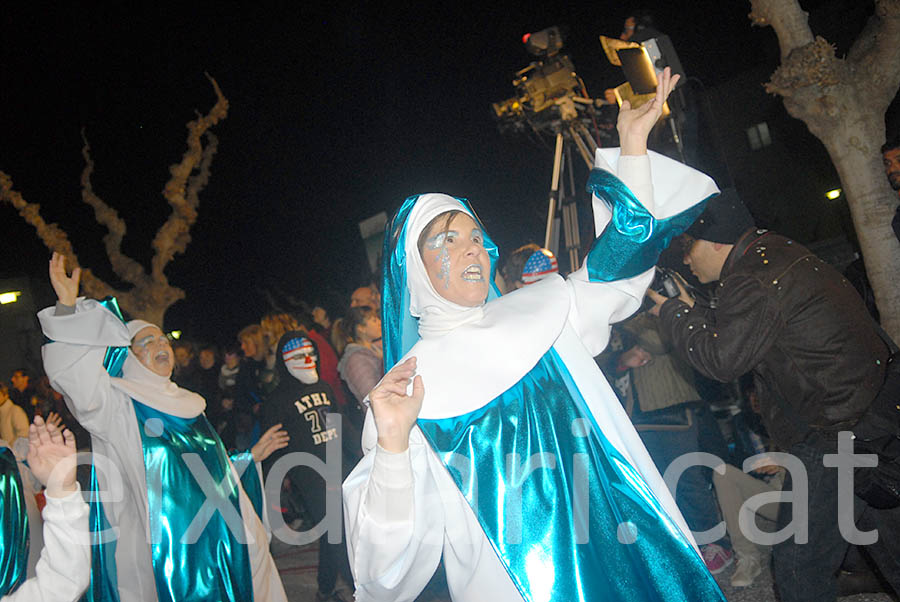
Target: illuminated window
(758, 135)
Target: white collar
(466, 368)
(159, 392)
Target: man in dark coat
(819, 364)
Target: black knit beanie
(724, 220)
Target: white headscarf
(151, 389)
(436, 314)
(469, 355)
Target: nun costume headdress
(524, 474)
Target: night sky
(336, 114)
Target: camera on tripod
(544, 81)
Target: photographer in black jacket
(818, 362)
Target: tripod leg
(554, 189)
(584, 142)
(570, 216)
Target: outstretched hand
(273, 439)
(66, 286)
(55, 419)
(51, 457)
(634, 124)
(394, 411)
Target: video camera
(543, 82)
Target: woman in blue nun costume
(171, 518)
(495, 443)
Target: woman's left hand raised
(394, 411)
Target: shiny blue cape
(585, 526)
(633, 239)
(217, 565)
(14, 540)
(245, 466)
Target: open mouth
(162, 356)
(473, 273)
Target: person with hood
(302, 403)
(495, 443)
(175, 523)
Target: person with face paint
(494, 443)
(159, 463)
(302, 402)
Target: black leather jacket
(797, 324)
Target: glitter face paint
(456, 262)
(437, 242)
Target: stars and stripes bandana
(541, 263)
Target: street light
(9, 297)
(833, 194)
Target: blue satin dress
(14, 540)
(567, 514)
(215, 565)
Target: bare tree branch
(52, 236)
(126, 268)
(173, 237)
(151, 294)
(875, 55)
(791, 26)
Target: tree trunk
(843, 102)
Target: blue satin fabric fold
(559, 529)
(245, 466)
(400, 330)
(14, 540)
(217, 565)
(104, 585)
(633, 239)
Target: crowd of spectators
(661, 381)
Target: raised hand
(66, 286)
(55, 419)
(272, 440)
(634, 125)
(51, 457)
(394, 411)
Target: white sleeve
(394, 520)
(73, 360)
(64, 569)
(665, 188)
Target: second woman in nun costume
(177, 524)
(494, 442)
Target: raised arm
(641, 200)
(80, 330)
(394, 517)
